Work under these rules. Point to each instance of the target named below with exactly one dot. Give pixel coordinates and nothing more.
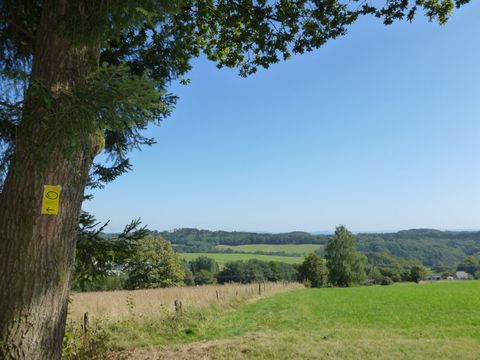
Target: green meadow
(439, 320)
(221, 258)
(298, 249)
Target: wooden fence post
(85, 323)
(178, 308)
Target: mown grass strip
(221, 259)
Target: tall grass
(127, 319)
(119, 305)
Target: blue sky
(378, 130)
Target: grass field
(300, 249)
(221, 259)
(438, 320)
(118, 305)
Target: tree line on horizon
(439, 250)
(135, 259)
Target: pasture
(221, 258)
(297, 249)
(439, 320)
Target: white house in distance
(462, 275)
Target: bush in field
(205, 277)
(188, 279)
(204, 270)
(417, 273)
(345, 265)
(154, 265)
(203, 263)
(313, 271)
(386, 281)
(79, 344)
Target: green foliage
(101, 257)
(386, 281)
(439, 250)
(79, 344)
(154, 264)
(345, 265)
(205, 277)
(383, 265)
(146, 44)
(433, 248)
(188, 279)
(471, 265)
(253, 270)
(417, 273)
(100, 260)
(196, 237)
(314, 271)
(223, 258)
(204, 270)
(203, 263)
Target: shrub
(314, 271)
(386, 281)
(79, 344)
(154, 265)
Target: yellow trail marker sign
(51, 199)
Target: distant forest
(434, 248)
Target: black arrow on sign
(50, 209)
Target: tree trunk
(52, 148)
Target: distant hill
(434, 248)
(194, 237)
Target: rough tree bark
(37, 251)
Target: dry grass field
(119, 305)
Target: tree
(254, 270)
(314, 271)
(204, 270)
(188, 279)
(345, 265)
(79, 76)
(205, 277)
(203, 263)
(417, 273)
(98, 257)
(382, 265)
(154, 265)
(471, 265)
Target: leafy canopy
(313, 271)
(345, 265)
(146, 44)
(154, 264)
(99, 257)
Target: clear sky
(378, 130)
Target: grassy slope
(429, 321)
(300, 249)
(223, 258)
